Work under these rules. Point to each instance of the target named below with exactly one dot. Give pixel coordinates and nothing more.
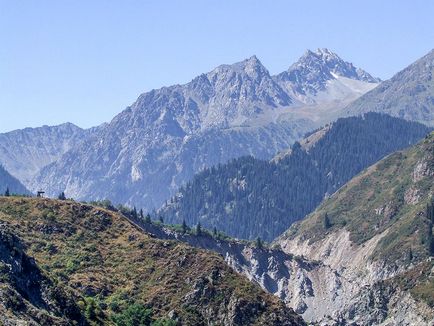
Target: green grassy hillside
(116, 274)
(394, 199)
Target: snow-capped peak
(324, 62)
(315, 70)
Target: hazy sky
(84, 61)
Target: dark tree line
(249, 198)
(430, 217)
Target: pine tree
(198, 229)
(214, 232)
(134, 213)
(430, 211)
(259, 244)
(148, 219)
(141, 214)
(184, 227)
(62, 196)
(161, 219)
(409, 255)
(326, 222)
(7, 193)
(430, 240)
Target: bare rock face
(422, 170)
(412, 196)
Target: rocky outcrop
(26, 295)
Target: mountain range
(159, 142)
(348, 208)
(363, 257)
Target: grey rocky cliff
(331, 283)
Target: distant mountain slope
(113, 271)
(409, 94)
(24, 152)
(7, 181)
(158, 143)
(248, 197)
(377, 232)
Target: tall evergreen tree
(259, 243)
(198, 229)
(7, 193)
(62, 196)
(148, 219)
(184, 227)
(326, 221)
(430, 211)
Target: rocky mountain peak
(254, 68)
(181, 129)
(315, 69)
(251, 67)
(328, 64)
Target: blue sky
(84, 61)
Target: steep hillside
(114, 271)
(7, 181)
(26, 294)
(24, 152)
(323, 293)
(167, 135)
(409, 94)
(248, 197)
(377, 232)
